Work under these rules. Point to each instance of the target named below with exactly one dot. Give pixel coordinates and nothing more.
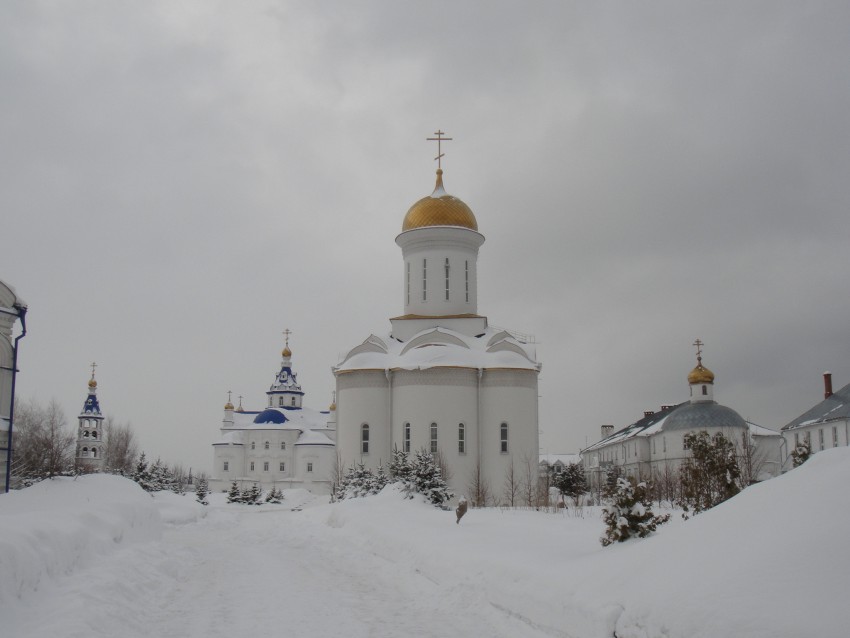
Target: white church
(283, 445)
(441, 378)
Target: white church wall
(362, 398)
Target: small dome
(286, 352)
(332, 407)
(228, 406)
(439, 209)
(92, 383)
(270, 415)
(700, 374)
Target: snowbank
(55, 526)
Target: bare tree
(751, 459)
(43, 444)
(529, 481)
(511, 484)
(478, 487)
(442, 462)
(120, 448)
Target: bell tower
(90, 442)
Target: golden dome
(700, 374)
(332, 407)
(228, 406)
(92, 383)
(286, 352)
(439, 209)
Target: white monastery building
(90, 430)
(441, 379)
(824, 426)
(284, 445)
(654, 446)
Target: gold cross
(240, 403)
(439, 139)
(228, 395)
(286, 334)
(699, 344)
(93, 366)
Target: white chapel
(442, 378)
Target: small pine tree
(399, 467)
(428, 480)
(142, 474)
(710, 476)
(628, 513)
(202, 489)
(234, 495)
(571, 481)
(379, 480)
(801, 453)
(275, 496)
(252, 495)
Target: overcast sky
(181, 181)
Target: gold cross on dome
(699, 344)
(286, 334)
(228, 395)
(93, 366)
(439, 140)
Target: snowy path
(260, 571)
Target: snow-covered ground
(98, 557)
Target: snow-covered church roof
(442, 347)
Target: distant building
(284, 445)
(653, 446)
(90, 433)
(12, 309)
(824, 426)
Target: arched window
(94, 452)
(86, 434)
(364, 438)
(266, 445)
(406, 445)
(424, 280)
(447, 278)
(85, 452)
(503, 438)
(461, 438)
(433, 438)
(253, 445)
(280, 402)
(252, 466)
(283, 445)
(293, 401)
(94, 434)
(705, 389)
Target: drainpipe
(22, 315)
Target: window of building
(406, 439)
(447, 278)
(265, 466)
(808, 436)
(653, 446)
(461, 438)
(364, 438)
(834, 436)
(283, 445)
(407, 283)
(226, 466)
(309, 467)
(252, 466)
(466, 275)
(796, 439)
(664, 443)
(270, 402)
(253, 445)
(94, 452)
(705, 389)
(94, 435)
(266, 445)
(424, 280)
(433, 438)
(503, 438)
(282, 466)
(820, 438)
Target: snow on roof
(834, 408)
(307, 421)
(441, 347)
(758, 430)
(565, 459)
(647, 426)
(309, 437)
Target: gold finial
(228, 405)
(286, 351)
(239, 409)
(439, 140)
(700, 374)
(92, 382)
(332, 407)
